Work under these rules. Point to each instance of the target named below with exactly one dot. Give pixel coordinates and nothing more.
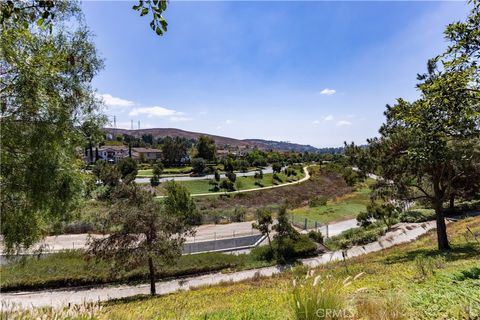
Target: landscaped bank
(410, 281)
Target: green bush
(262, 253)
(316, 236)
(417, 215)
(318, 202)
(356, 236)
(301, 247)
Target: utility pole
(139, 124)
(115, 122)
(131, 124)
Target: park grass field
(147, 173)
(344, 207)
(241, 183)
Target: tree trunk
(442, 237)
(152, 276)
(91, 152)
(452, 201)
(269, 242)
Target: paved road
(206, 177)
(203, 233)
(57, 298)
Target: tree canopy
(430, 146)
(45, 96)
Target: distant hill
(282, 145)
(222, 141)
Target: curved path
(404, 232)
(206, 177)
(305, 170)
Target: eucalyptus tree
(45, 97)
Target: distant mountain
(172, 132)
(222, 141)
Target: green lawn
(147, 173)
(342, 208)
(241, 183)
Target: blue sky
(308, 72)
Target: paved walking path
(404, 232)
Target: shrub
(154, 181)
(227, 185)
(317, 202)
(303, 247)
(198, 165)
(417, 215)
(262, 253)
(231, 176)
(356, 236)
(276, 177)
(238, 214)
(299, 271)
(316, 236)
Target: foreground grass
(340, 208)
(443, 293)
(398, 283)
(68, 269)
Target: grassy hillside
(411, 281)
(340, 208)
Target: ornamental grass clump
(320, 298)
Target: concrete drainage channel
(219, 245)
(223, 245)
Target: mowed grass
(341, 208)
(241, 183)
(446, 293)
(147, 173)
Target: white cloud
(179, 119)
(316, 122)
(155, 111)
(111, 101)
(343, 123)
(328, 118)
(327, 92)
(228, 121)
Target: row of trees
(429, 149)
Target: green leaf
(40, 22)
(159, 31)
(144, 12)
